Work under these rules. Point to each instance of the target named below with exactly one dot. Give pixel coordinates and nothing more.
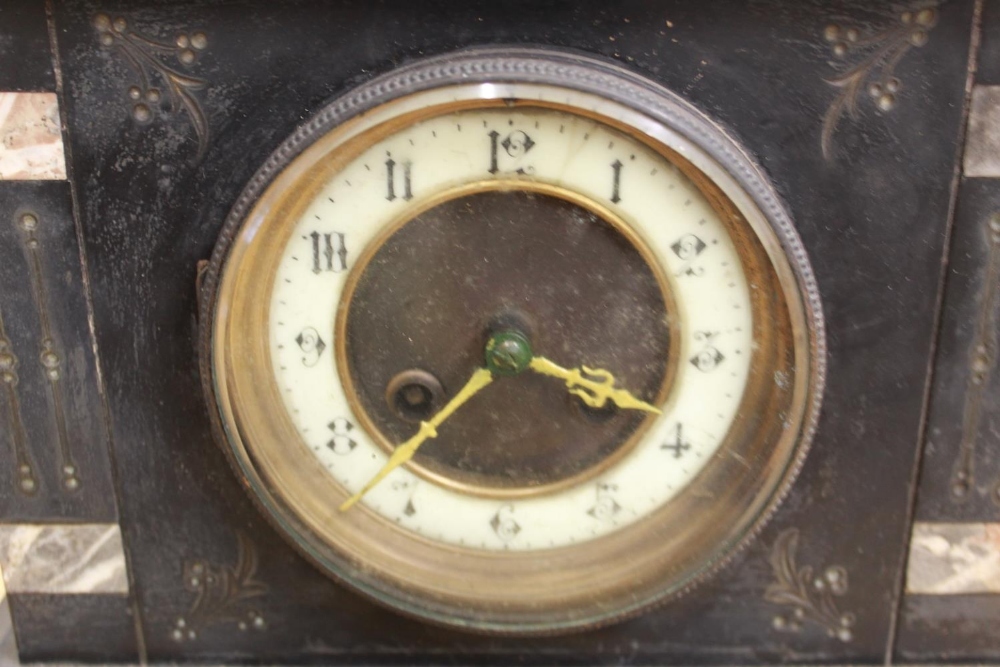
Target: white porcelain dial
(712, 312)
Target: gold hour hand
(428, 430)
(594, 386)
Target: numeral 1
(494, 143)
(616, 167)
(390, 174)
(324, 253)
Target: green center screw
(508, 353)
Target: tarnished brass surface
(603, 301)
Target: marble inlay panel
(954, 559)
(81, 558)
(8, 648)
(31, 146)
(982, 146)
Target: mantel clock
(513, 341)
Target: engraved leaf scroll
(812, 597)
(873, 72)
(147, 57)
(222, 593)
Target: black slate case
(869, 183)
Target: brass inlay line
(982, 360)
(25, 472)
(49, 357)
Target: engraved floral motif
(873, 72)
(147, 57)
(221, 594)
(982, 360)
(812, 597)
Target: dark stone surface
(960, 471)
(988, 65)
(963, 416)
(79, 401)
(949, 629)
(872, 216)
(24, 45)
(951, 421)
(83, 628)
(549, 441)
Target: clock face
(512, 355)
(547, 222)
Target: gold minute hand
(595, 390)
(428, 430)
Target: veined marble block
(982, 147)
(8, 650)
(954, 559)
(31, 145)
(8, 647)
(81, 558)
